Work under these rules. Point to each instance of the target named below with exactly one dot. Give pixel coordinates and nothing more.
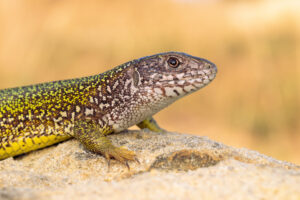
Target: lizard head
(151, 83)
(173, 74)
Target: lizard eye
(173, 62)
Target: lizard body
(89, 108)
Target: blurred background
(255, 100)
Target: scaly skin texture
(89, 108)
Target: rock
(172, 166)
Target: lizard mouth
(204, 76)
(199, 78)
(186, 83)
(196, 80)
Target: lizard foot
(94, 139)
(151, 124)
(121, 154)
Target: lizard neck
(118, 101)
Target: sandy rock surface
(172, 166)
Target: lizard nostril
(209, 66)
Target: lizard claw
(126, 163)
(137, 160)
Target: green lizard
(90, 108)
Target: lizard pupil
(173, 62)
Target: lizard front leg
(150, 124)
(94, 139)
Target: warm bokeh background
(254, 101)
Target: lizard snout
(211, 66)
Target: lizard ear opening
(135, 75)
(136, 78)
